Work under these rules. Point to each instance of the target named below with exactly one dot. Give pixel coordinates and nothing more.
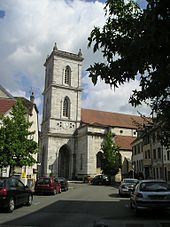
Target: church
(71, 136)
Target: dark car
(150, 194)
(47, 185)
(100, 179)
(13, 193)
(127, 185)
(63, 182)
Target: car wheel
(131, 205)
(137, 211)
(11, 205)
(29, 202)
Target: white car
(150, 194)
(127, 185)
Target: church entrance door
(64, 162)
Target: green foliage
(137, 42)
(16, 141)
(111, 158)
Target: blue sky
(29, 30)
(2, 13)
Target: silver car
(127, 185)
(150, 194)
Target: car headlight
(139, 195)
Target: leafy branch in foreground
(135, 43)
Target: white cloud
(102, 97)
(28, 32)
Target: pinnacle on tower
(55, 47)
(79, 53)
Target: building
(27, 174)
(71, 136)
(149, 156)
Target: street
(83, 205)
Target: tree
(136, 45)
(111, 159)
(17, 145)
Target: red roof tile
(124, 142)
(6, 104)
(96, 117)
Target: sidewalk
(113, 223)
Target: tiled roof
(29, 105)
(124, 142)
(96, 117)
(6, 104)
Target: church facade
(71, 136)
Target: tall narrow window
(99, 157)
(67, 79)
(66, 107)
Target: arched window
(66, 107)
(99, 157)
(67, 79)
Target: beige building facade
(28, 174)
(153, 157)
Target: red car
(47, 185)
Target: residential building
(155, 157)
(27, 174)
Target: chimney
(32, 98)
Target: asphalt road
(83, 205)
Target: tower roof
(64, 54)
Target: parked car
(63, 182)
(13, 193)
(100, 179)
(47, 185)
(127, 185)
(150, 194)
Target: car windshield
(154, 186)
(43, 181)
(130, 181)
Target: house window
(154, 153)
(153, 137)
(159, 153)
(81, 162)
(149, 155)
(66, 107)
(168, 155)
(67, 79)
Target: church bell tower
(61, 112)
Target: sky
(29, 29)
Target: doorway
(64, 162)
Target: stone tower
(61, 113)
